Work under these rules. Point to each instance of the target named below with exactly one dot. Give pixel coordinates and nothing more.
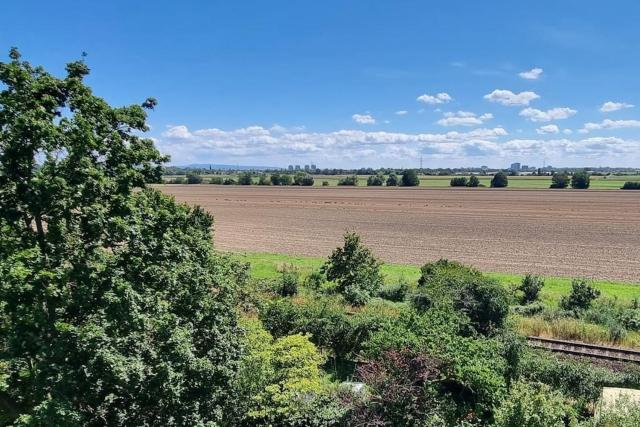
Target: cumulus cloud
(548, 129)
(356, 147)
(532, 74)
(401, 113)
(508, 98)
(610, 124)
(364, 119)
(463, 118)
(536, 115)
(440, 98)
(610, 106)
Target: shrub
(530, 288)
(286, 180)
(499, 180)
(216, 180)
(402, 391)
(349, 180)
(229, 181)
(264, 180)
(375, 180)
(354, 269)
(303, 179)
(325, 183)
(580, 180)
(581, 296)
(276, 179)
(559, 180)
(396, 293)
(459, 181)
(245, 178)
(314, 280)
(531, 309)
(392, 180)
(631, 185)
(194, 179)
(533, 405)
(474, 181)
(421, 302)
(288, 285)
(179, 180)
(410, 178)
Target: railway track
(587, 350)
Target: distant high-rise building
(515, 167)
(297, 167)
(290, 167)
(306, 168)
(313, 167)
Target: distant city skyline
(361, 83)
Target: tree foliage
(580, 180)
(500, 180)
(581, 296)
(458, 181)
(355, 270)
(392, 180)
(410, 178)
(115, 309)
(559, 180)
(375, 180)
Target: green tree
(559, 180)
(355, 270)
(458, 181)
(392, 180)
(530, 287)
(193, 178)
(499, 180)
(115, 310)
(303, 179)
(410, 178)
(375, 180)
(349, 180)
(533, 405)
(580, 180)
(581, 296)
(245, 178)
(473, 181)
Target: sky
(358, 83)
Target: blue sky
(359, 83)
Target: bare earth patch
(592, 234)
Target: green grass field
(533, 182)
(266, 266)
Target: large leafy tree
(114, 308)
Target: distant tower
(420, 162)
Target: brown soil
(592, 234)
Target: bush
(531, 309)
(499, 180)
(216, 180)
(410, 178)
(580, 180)
(396, 293)
(288, 285)
(459, 181)
(631, 185)
(325, 183)
(421, 302)
(179, 180)
(530, 288)
(355, 270)
(392, 180)
(375, 180)
(315, 280)
(278, 179)
(303, 179)
(194, 179)
(349, 180)
(245, 178)
(473, 181)
(581, 296)
(559, 180)
(229, 181)
(533, 405)
(264, 180)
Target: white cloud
(364, 119)
(508, 98)
(536, 115)
(350, 147)
(463, 118)
(548, 129)
(440, 98)
(567, 131)
(610, 106)
(610, 124)
(402, 113)
(533, 74)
